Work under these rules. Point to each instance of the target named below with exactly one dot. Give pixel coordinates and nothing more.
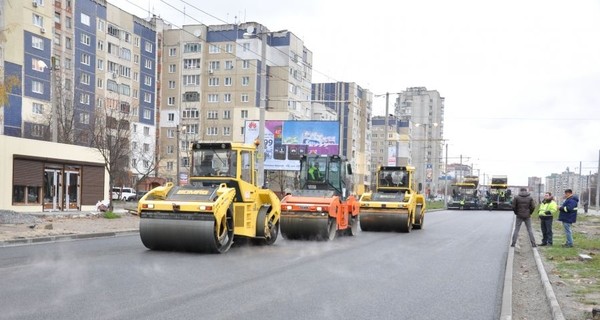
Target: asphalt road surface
(452, 269)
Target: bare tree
(145, 160)
(111, 137)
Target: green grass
(435, 204)
(582, 274)
(111, 215)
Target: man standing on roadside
(568, 215)
(548, 209)
(523, 206)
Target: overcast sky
(521, 78)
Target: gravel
(11, 217)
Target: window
(213, 115)
(37, 108)
(86, 59)
(147, 97)
(147, 114)
(172, 52)
(213, 48)
(191, 113)
(214, 65)
(101, 25)
(229, 48)
(135, 76)
(246, 46)
(68, 22)
(246, 64)
(148, 80)
(37, 87)
(170, 116)
(227, 97)
(135, 95)
(245, 81)
(84, 118)
(37, 130)
(192, 47)
(226, 114)
(170, 149)
(191, 63)
(171, 133)
(26, 194)
(213, 98)
(35, 65)
(68, 43)
(172, 68)
(191, 80)
(85, 19)
(136, 41)
(100, 64)
(228, 65)
(171, 101)
(85, 39)
(67, 84)
(212, 131)
(125, 54)
(228, 81)
(124, 90)
(171, 84)
(113, 31)
(244, 114)
(136, 58)
(226, 131)
(57, 17)
(67, 63)
(146, 131)
(148, 64)
(37, 42)
(38, 20)
(57, 37)
(112, 85)
(100, 83)
(191, 96)
(125, 107)
(213, 82)
(148, 46)
(244, 97)
(84, 98)
(85, 78)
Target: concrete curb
(506, 311)
(66, 237)
(554, 306)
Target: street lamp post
(425, 151)
(178, 170)
(260, 165)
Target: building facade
(77, 66)
(424, 109)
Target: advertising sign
(429, 172)
(286, 141)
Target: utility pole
(385, 133)
(598, 185)
(446, 178)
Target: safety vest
(550, 206)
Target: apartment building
(397, 142)
(353, 105)
(215, 78)
(424, 109)
(77, 66)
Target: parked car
(125, 194)
(140, 194)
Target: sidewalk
(36, 227)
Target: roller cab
(220, 203)
(322, 207)
(394, 205)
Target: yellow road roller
(220, 203)
(395, 205)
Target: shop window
(26, 195)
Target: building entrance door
(52, 189)
(72, 189)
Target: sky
(520, 78)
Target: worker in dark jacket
(523, 206)
(568, 215)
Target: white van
(125, 194)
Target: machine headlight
(289, 207)
(319, 209)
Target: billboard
(285, 141)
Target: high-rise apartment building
(77, 66)
(216, 77)
(424, 109)
(353, 106)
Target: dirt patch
(82, 224)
